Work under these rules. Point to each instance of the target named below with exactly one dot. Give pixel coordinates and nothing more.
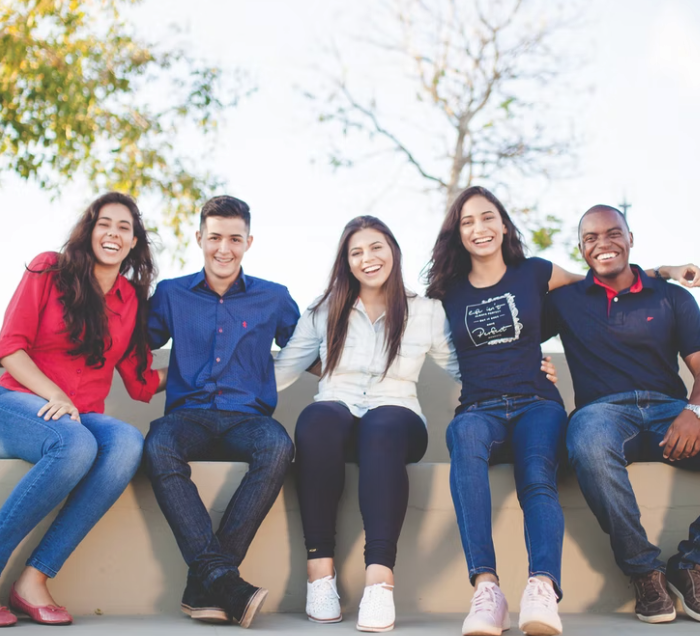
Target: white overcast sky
(640, 122)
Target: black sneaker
(240, 599)
(654, 604)
(197, 603)
(685, 584)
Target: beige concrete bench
(130, 564)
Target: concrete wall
(130, 564)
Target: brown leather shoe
(685, 584)
(7, 618)
(654, 604)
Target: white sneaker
(323, 601)
(538, 610)
(488, 615)
(377, 611)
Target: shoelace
(650, 588)
(538, 593)
(484, 599)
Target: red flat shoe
(44, 614)
(7, 618)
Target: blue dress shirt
(220, 356)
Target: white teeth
(371, 270)
(111, 247)
(483, 240)
(606, 257)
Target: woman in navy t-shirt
(493, 297)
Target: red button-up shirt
(34, 322)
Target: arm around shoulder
(300, 352)
(442, 348)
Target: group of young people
(80, 313)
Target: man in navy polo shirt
(220, 397)
(622, 332)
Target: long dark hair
(343, 290)
(84, 307)
(451, 260)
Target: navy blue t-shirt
(633, 345)
(496, 332)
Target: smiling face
(113, 235)
(224, 242)
(481, 228)
(605, 243)
(370, 258)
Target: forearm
(162, 378)
(22, 368)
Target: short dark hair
(227, 207)
(601, 207)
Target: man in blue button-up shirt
(220, 397)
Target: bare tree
(481, 78)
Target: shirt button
(72, 393)
(218, 359)
(221, 301)
(615, 299)
(220, 392)
(79, 371)
(221, 331)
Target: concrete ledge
(130, 563)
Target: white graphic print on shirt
(493, 321)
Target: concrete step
(130, 563)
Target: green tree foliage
(82, 94)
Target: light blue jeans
(90, 462)
(606, 436)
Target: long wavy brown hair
(343, 290)
(84, 306)
(451, 260)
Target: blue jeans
(186, 435)
(532, 429)
(606, 436)
(90, 462)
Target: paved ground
(297, 625)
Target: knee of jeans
(157, 453)
(278, 445)
(76, 445)
(126, 448)
(586, 451)
(464, 434)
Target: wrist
(694, 408)
(661, 271)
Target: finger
(60, 412)
(679, 449)
(43, 409)
(52, 408)
(669, 442)
(75, 414)
(696, 448)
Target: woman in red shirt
(75, 316)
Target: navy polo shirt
(221, 356)
(496, 331)
(633, 345)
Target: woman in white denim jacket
(372, 336)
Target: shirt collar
(200, 280)
(641, 281)
(120, 288)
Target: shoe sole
(206, 614)
(538, 628)
(686, 609)
(254, 606)
(658, 618)
(313, 619)
(375, 630)
(489, 631)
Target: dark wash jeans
(533, 430)
(606, 436)
(187, 435)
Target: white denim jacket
(357, 380)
